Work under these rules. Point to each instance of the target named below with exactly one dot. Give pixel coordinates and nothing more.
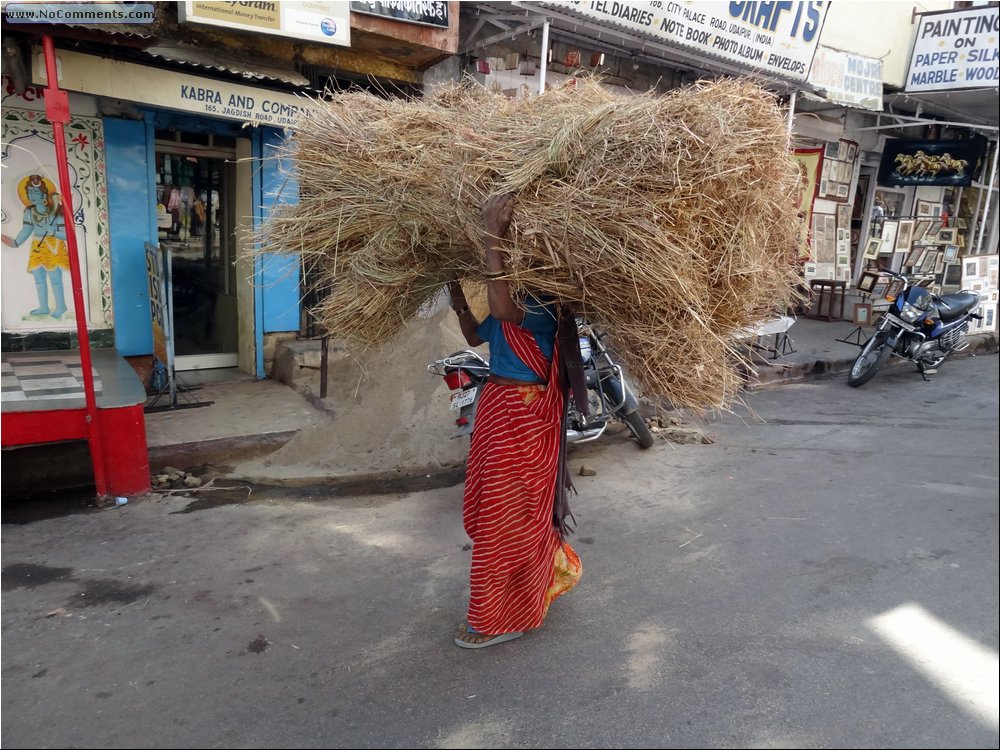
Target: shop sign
(848, 78)
(955, 50)
(172, 90)
(776, 38)
(327, 22)
(429, 12)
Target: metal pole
(545, 57)
(791, 112)
(989, 194)
(57, 111)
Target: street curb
(217, 450)
(778, 374)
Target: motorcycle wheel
(637, 426)
(868, 363)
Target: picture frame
(961, 223)
(938, 264)
(890, 227)
(832, 150)
(904, 236)
(946, 236)
(862, 315)
(914, 256)
(872, 248)
(950, 253)
(923, 208)
(881, 287)
(867, 281)
(920, 229)
(971, 268)
(928, 261)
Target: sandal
(490, 640)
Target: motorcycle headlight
(910, 313)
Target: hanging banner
(955, 49)
(775, 38)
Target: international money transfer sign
(318, 21)
(776, 38)
(955, 50)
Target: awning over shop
(206, 59)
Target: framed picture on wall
(947, 236)
(904, 236)
(924, 208)
(920, 229)
(950, 253)
(889, 230)
(872, 247)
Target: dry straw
(666, 219)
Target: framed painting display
(928, 261)
(950, 253)
(890, 228)
(862, 314)
(872, 247)
(881, 287)
(904, 236)
(914, 256)
(866, 282)
(920, 229)
(947, 236)
(924, 208)
(939, 264)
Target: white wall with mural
(37, 292)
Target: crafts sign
(955, 50)
(777, 38)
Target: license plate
(901, 323)
(463, 398)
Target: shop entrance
(196, 219)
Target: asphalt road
(823, 575)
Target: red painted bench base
(123, 430)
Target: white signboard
(848, 78)
(328, 22)
(955, 50)
(777, 38)
(172, 90)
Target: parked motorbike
(609, 396)
(919, 326)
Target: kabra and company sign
(316, 21)
(955, 49)
(778, 38)
(173, 90)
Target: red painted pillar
(57, 112)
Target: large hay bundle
(666, 219)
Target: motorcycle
(609, 396)
(919, 326)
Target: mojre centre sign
(955, 50)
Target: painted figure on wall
(45, 223)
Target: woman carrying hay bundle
(514, 506)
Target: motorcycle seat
(952, 306)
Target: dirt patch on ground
(386, 411)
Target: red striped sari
(519, 563)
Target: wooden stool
(829, 290)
